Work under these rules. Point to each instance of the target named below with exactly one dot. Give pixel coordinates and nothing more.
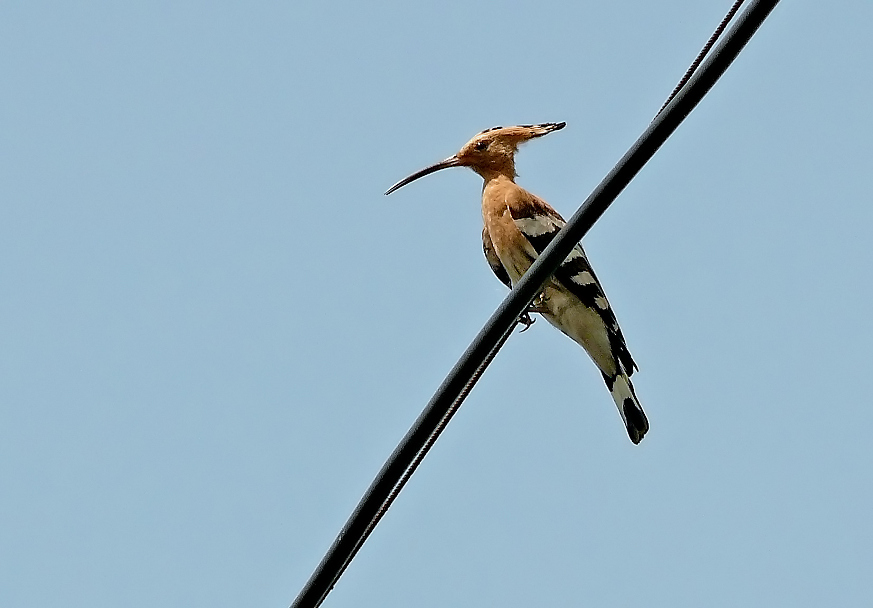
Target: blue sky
(215, 327)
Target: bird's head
(490, 153)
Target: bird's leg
(538, 304)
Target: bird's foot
(537, 306)
(526, 320)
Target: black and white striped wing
(539, 224)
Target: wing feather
(539, 224)
(493, 260)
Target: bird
(518, 226)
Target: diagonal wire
(444, 421)
(457, 384)
(696, 63)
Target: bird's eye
(480, 146)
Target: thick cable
(444, 421)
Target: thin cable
(703, 52)
(497, 327)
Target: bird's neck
(497, 169)
(496, 192)
(498, 180)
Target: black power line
(472, 363)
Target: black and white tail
(628, 405)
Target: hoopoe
(518, 226)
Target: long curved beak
(452, 161)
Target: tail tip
(635, 420)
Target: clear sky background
(215, 327)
